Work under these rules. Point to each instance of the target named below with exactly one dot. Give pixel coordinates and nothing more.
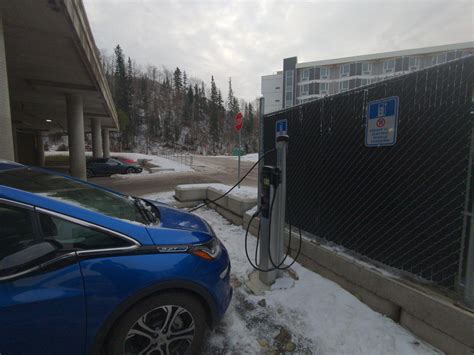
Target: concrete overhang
(50, 53)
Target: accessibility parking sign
(382, 122)
(281, 128)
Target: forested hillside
(169, 109)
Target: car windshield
(73, 192)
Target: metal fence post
(469, 237)
(469, 283)
(260, 146)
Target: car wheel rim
(164, 330)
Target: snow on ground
(248, 157)
(243, 191)
(165, 165)
(164, 197)
(314, 316)
(155, 160)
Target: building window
(288, 99)
(413, 63)
(440, 58)
(305, 75)
(289, 76)
(389, 66)
(343, 85)
(324, 88)
(364, 82)
(345, 70)
(324, 73)
(366, 68)
(289, 80)
(277, 100)
(304, 89)
(277, 88)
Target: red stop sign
(239, 121)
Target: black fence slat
(400, 205)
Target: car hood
(179, 227)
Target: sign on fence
(281, 128)
(382, 122)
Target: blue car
(85, 270)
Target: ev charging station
(273, 208)
(272, 215)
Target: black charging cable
(233, 187)
(255, 264)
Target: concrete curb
(230, 206)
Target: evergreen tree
(154, 106)
(121, 81)
(214, 118)
(249, 129)
(178, 82)
(188, 105)
(185, 80)
(167, 119)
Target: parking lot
(206, 169)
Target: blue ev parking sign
(281, 128)
(382, 122)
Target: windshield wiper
(144, 210)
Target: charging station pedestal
(273, 208)
(272, 203)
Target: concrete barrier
(186, 193)
(240, 205)
(232, 203)
(214, 193)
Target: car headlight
(208, 251)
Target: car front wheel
(171, 323)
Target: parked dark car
(108, 166)
(125, 160)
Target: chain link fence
(405, 206)
(186, 159)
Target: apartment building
(301, 82)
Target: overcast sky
(248, 39)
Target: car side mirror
(28, 255)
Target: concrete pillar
(75, 128)
(40, 160)
(96, 137)
(7, 150)
(106, 142)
